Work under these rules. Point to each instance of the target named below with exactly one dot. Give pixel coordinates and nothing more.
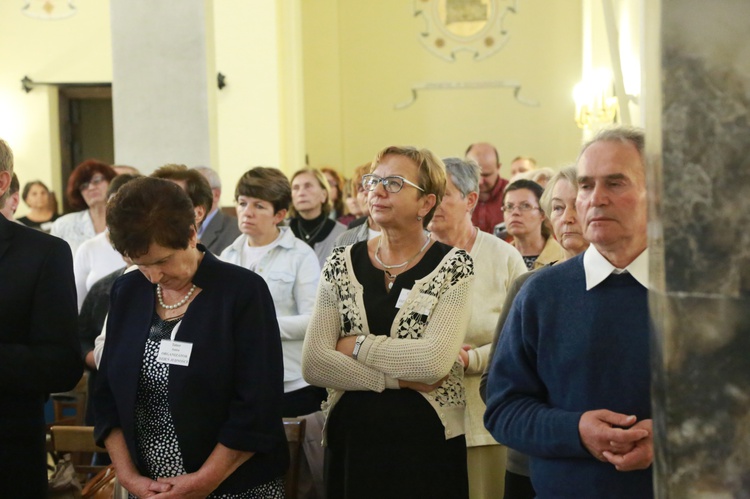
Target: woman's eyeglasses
(392, 184)
(522, 207)
(95, 180)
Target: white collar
(597, 268)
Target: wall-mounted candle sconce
(596, 103)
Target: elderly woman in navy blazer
(188, 400)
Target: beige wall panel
(370, 56)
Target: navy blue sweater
(564, 351)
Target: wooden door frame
(66, 93)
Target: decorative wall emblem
(475, 26)
(48, 9)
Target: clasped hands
(188, 486)
(618, 439)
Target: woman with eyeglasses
(86, 192)
(527, 223)
(384, 337)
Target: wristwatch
(358, 345)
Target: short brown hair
(15, 185)
(150, 210)
(268, 184)
(198, 188)
(29, 185)
(431, 172)
(119, 181)
(322, 180)
(83, 173)
(359, 172)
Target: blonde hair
(569, 174)
(322, 180)
(431, 172)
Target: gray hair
(464, 173)
(540, 175)
(6, 157)
(213, 178)
(567, 173)
(624, 134)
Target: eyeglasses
(522, 207)
(95, 180)
(391, 184)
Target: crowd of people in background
(389, 307)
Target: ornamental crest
(475, 26)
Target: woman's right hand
(141, 486)
(421, 387)
(127, 473)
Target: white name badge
(174, 352)
(402, 298)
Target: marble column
(164, 82)
(697, 96)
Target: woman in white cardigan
(496, 265)
(86, 192)
(388, 324)
(289, 267)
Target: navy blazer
(39, 351)
(231, 391)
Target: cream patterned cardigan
(423, 344)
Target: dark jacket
(90, 323)
(220, 232)
(231, 391)
(39, 351)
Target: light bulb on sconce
(595, 103)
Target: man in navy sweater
(569, 384)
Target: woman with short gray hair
(496, 265)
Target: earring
(419, 218)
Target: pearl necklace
(391, 277)
(176, 305)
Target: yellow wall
(248, 120)
(76, 49)
(318, 78)
(361, 58)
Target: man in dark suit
(218, 230)
(39, 351)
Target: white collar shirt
(597, 268)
